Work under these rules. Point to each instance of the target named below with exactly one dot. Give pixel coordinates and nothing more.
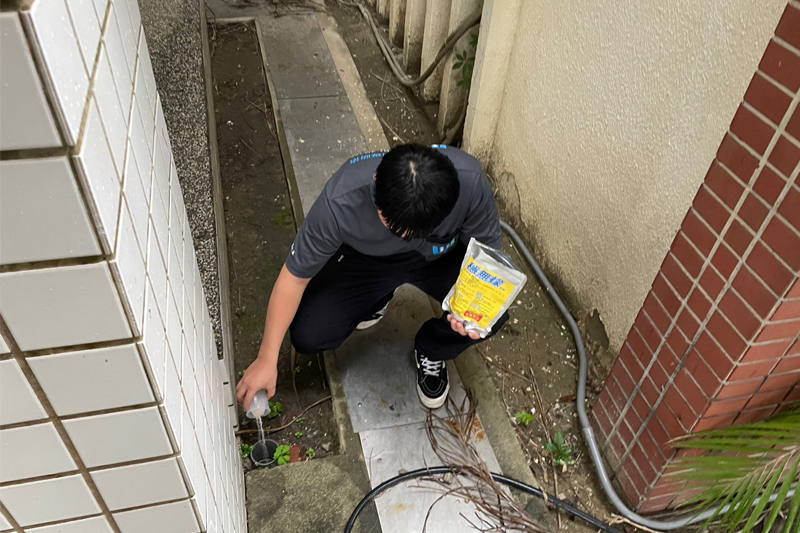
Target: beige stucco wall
(611, 115)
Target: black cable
(513, 483)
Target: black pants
(352, 287)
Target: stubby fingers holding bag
(485, 288)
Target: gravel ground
(173, 35)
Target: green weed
(282, 454)
(524, 418)
(246, 449)
(562, 454)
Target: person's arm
(482, 220)
(283, 304)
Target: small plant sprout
(310, 453)
(562, 454)
(297, 369)
(299, 435)
(282, 454)
(241, 374)
(524, 418)
(301, 420)
(246, 449)
(240, 310)
(274, 410)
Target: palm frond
(742, 468)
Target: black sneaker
(374, 319)
(432, 382)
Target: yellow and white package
(485, 288)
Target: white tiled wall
(113, 413)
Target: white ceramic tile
(174, 328)
(213, 473)
(72, 305)
(160, 216)
(189, 281)
(141, 484)
(87, 28)
(145, 104)
(112, 116)
(3, 347)
(228, 523)
(155, 341)
(131, 267)
(161, 171)
(161, 129)
(188, 339)
(122, 74)
(188, 443)
(118, 437)
(176, 195)
(32, 451)
(141, 149)
(200, 303)
(49, 500)
(186, 359)
(202, 391)
(189, 387)
(176, 278)
(133, 10)
(98, 524)
(27, 122)
(100, 9)
(189, 257)
(63, 60)
(95, 163)
(18, 403)
(176, 234)
(92, 380)
(157, 271)
(201, 426)
(129, 33)
(200, 501)
(133, 192)
(147, 68)
(170, 518)
(173, 400)
(4, 525)
(42, 215)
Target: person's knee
(310, 337)
(305, 338)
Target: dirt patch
(260, 229)
(404, 117)
(533, 362)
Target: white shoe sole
(368, 323)
(433, 403)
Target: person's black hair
(416, 187)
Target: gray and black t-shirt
(344, 213)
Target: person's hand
(261, 374)
(458, 327)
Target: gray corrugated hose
(588, 432)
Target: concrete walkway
(326, 118)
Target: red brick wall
(717, 341)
